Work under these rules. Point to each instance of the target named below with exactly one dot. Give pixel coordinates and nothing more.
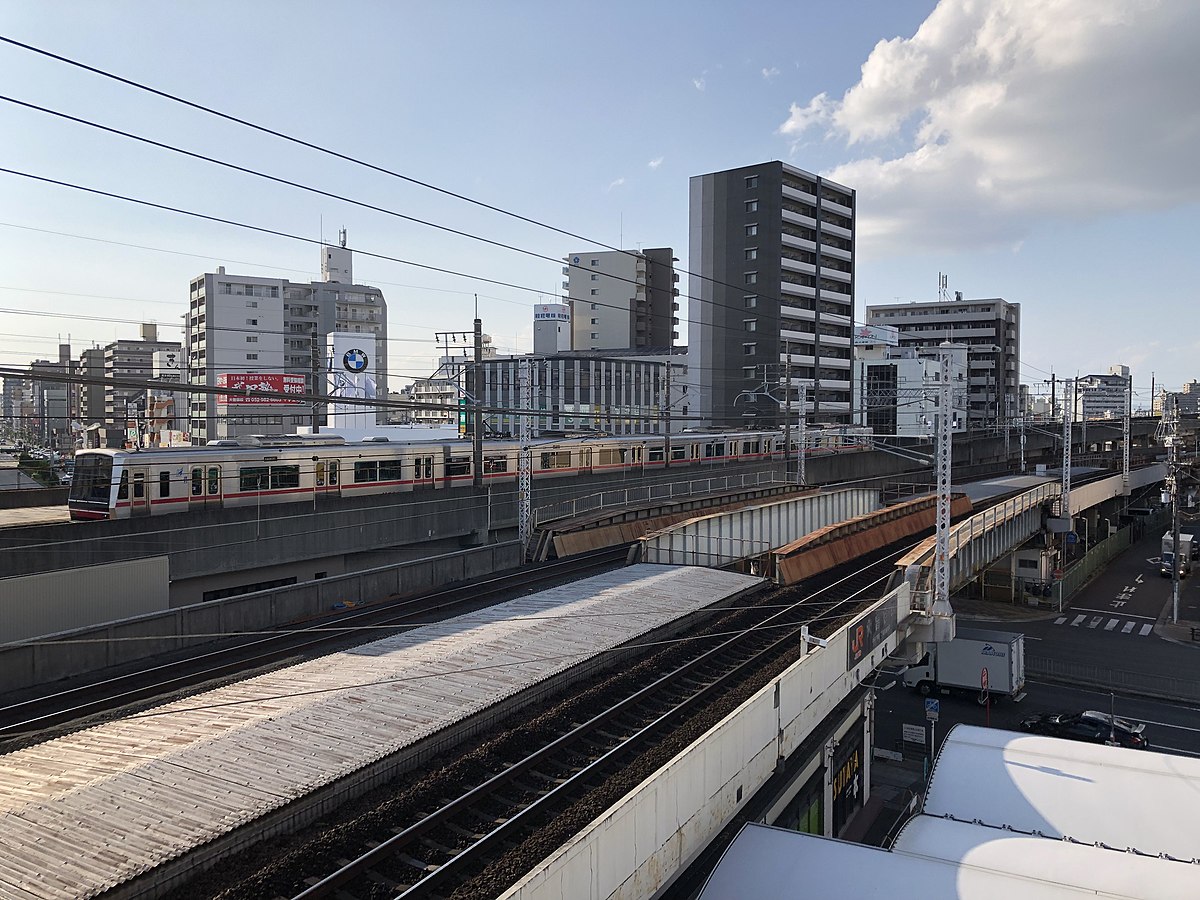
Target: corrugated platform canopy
(85, 812)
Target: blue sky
(1041, 151)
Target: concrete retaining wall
(637, 846)
(98, 647)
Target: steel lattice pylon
(525, 462)
(941, 567)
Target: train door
(637, 457)
(205, 486)
(423, 472)
(139, 493)
(326, 477)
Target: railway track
(29, 717)
(450, 847)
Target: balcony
(797, 290)
(836, 230)
(829, 250)
(795, 265)
(839, 208)
(836, 296)
(795, 312)
(792, 194)
(835, 274)
(797, 219)
(790, 240)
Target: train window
(320, 475)
(712, 451)
(679, 453)
(139, 485)
(559, 460)
(391, 470)
(458, 465)
(214, 480)
(254, 478)
(613, 457)
(164, 484)
(283, 477)
(123, 490)
(197, 482)
(492, 464)
(333, 473)
(656, 454)
(424, 467)
(366, 470)
(751, 447)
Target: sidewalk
(896, 788)
(1187, 630)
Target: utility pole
(477, 402)
(667, 415)
(803, 430)
(1170, 420)
(787, 417)
(1007, 436)
(1125, 429)
(524, 461)
(1065, 498)
(941, 571)
(1022, 425)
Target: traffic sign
(914, 734)
(1072, 537)
(932, 708)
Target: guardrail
(1168, 687)
(647, 493)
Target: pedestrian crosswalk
(1114, 624)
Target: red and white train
(118, 484)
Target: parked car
(1089, 725)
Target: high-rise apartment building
(772, 294)
(242, 326)
(990, 328)
(622, 300)
(1102, 396)
(130, 360)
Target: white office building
(622, 299)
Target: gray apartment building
(771, 249)
(622, 299)
(991, 329)
(245, 325)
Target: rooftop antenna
(621, 232)
(943, 287)
(342, 237)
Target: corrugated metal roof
(88, 811)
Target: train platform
(133, 798)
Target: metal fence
(647, 493)
(1167, 687)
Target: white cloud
(698, 83)
(770, 73)
(616, 183)
(656, 162)
(1011, 112)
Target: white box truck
(960, 664)
(1167, 554)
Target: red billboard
(276, 382)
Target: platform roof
(1127, 799)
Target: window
(595, 336)
(560, 459)
(751, 278)
(214, 480)
(751, 206)
(594, 306)
(251, 304)
(595, 321)
(656, 454)
(365, 471)
(252, 321)
(251, 356)
(594, 293)
(164, 484)
(391, 470)
(751, 181)
(749, 349)
(750, 324)
(493, 464)
(595, 262)
(320, 476)
(751, 253)
(284, 477)
(751, 300)
(614, 457)
(748, 371)
(252, 339)
(595, 277)
(139, 485)
(424, 467)
(197, 482)
(254, 478)
(333, 472)
(751, 230)
(458, 465)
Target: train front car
(92, 486)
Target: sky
(1043, 151)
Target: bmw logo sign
(355, 360)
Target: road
(1107, 635)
